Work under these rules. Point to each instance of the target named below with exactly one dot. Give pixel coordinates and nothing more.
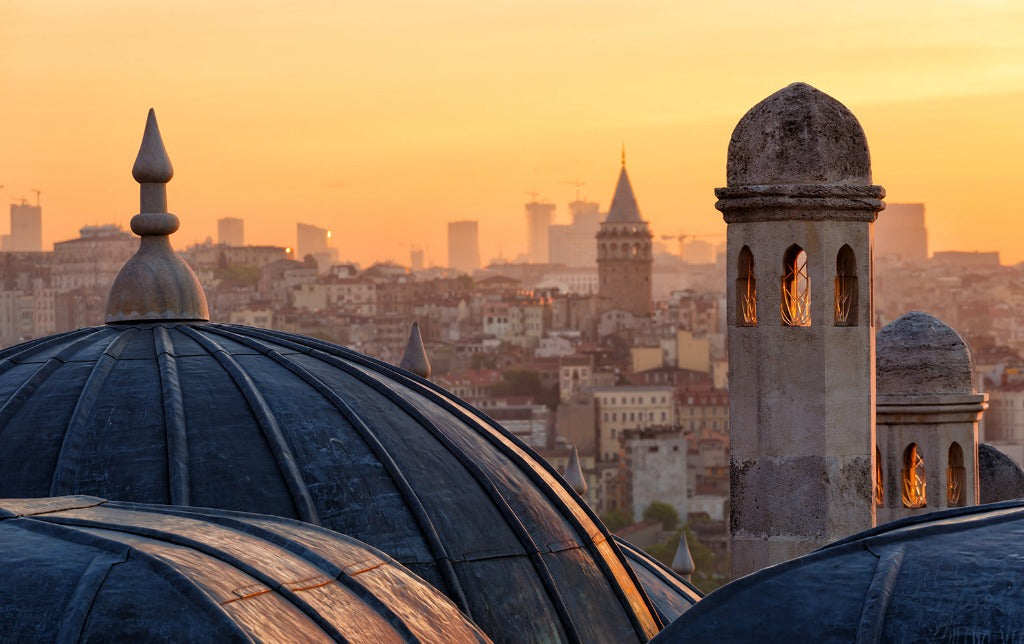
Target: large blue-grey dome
(950, 576)
(213, 415)
(81, 569)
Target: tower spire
(623, 155)
(156, 283)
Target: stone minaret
(927, 413)
(800, 208)
(624, 259)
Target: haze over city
(384, 121)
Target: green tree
(617, 519)
(658, 511)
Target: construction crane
(38, 192)
(533, 195)
(579, 184)
(682, 237)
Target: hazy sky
(384, 120)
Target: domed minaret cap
(799, 154)
(918, 354)
(415, 357)
(798, 135)
(156, 283)
(574, 473)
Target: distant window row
(795, 289)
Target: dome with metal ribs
(239, 418)
(84, 569)
(950, 576)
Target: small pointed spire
(156, 283)
(415, 357)
(623, 155)
(682, 563)
(574, 473)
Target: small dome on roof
(798, 135)
(950, 576)
(917, 354)
(85, 569)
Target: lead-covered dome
(798, 135)
(951, 576)
(248, 419)
(80, 569)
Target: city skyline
(384, 125)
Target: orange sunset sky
(384, 120)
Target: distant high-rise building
(573, 244)
(538, 219)
(231, 231)
(26, 228)
(416, 258)
(900, 232)
(624, 259)
(463, 246)
(311, 239)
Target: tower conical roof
(623, 208)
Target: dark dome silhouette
(185, 412)
(953, 575)
(84, 569)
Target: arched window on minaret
(746, 290)
(913, 475)
(846, 287)
(795, 304)
(879, 485)
(956, 477)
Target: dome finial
(574, 473)
(156, 283)
(415, 357)
(682, 563)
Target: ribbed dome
(952, 576)
(798, 135)
(919, 354)
(260, 421)
(84, 569)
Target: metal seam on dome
(175, 430)
(271, 431)
(440, 397)
(63, 478)
(568, 515)
(188, 588)
(262, 576)
(22, 394)
(315, 559)
(485, 483)
(27, 348)
(880, 590)
(78, 608)
(429, 532)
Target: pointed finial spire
(623, 155)
(682, 563)
(156, 283)
(574, 473)
(415, 357)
